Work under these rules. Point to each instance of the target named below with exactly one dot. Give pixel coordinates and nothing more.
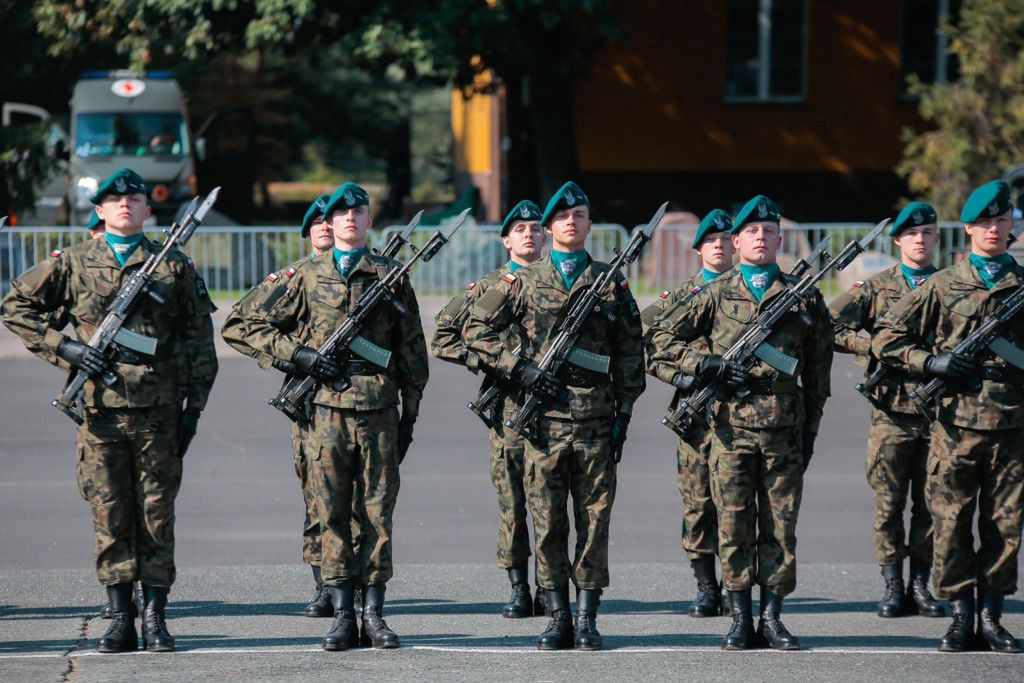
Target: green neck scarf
(991, 269)
(570, 264)
(709, 275)
(759, 278)
(123, 245)
(915, 277)
(347, 260)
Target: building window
(766, 50)
(924, 49)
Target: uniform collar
(100, 252)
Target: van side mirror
(201, 149)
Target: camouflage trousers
(353, 461)
(129, 472)
(571, 458)
(896, 465)
(757, 483)
(700, 519)
(970, 469)
(507, 472)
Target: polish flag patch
(664, 295)
(291, 272)
(509, 278)
(55, 253)
(470, 286)
(858, 283)
(190, 263)
(273, 277)
(623, 283)
(696, 290)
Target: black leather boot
(155, 636)
(375, 630)
(121, 636)
(919, 598)
(891, 604)
(539, 602)
(320, 605)
(108, 611)
(344, 632)
(741, 634)
(520, 603)
(770, 628)
(138, 604)
(990, 611)
(708, 602)
(960, 634)
(558, 635)
(587, 636)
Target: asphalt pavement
(236, 609)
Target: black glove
(715, 368)
(952, 367)
(311, 362)
(808, 447)
(188, 422)
(82, 356)
(405, 425)
(619, 428)
(285, 366)
(684, 383)
(541, 381)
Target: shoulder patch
(696, 289)
(664, 295)
(858, 283)
(55, 253)
(509, 278)
(190, 263)
(470, 286)
(273, 277)
(291, 271)
(623, 283)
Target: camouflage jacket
(721, 312)
(858, 310)
(662, 370)
(531, 303)
(234, 332)
(83, 280)
(306, 308)
(950, 305)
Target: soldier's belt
(355, 368)
(575, 376)
(768, 387)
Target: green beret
(348, 196)
(315, 210)
(913, 215)
(988, 201)
(760, 209)
(94, 221)
(567, 196)
(121, 182)
(717, 220)
(524, 211)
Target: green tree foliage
(978, 120)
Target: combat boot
(520, 603)
(990, 611)
(960, 634)
(344, 632)
(770, 628)
(558, 635)
(121, 636)
(891, 604)
(919, 598)
(741, 634)
(375, 630)
(539, 602)
(137, 604)
(155, 636)
(320, 605)
(587, 636)
(708, 602)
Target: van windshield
(137, 134)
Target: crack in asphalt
(71, 672)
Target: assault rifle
(753, 345)
(297, 392)
(563, 348)
(111, 336)
(399, 239)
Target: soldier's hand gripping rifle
(753, 345)
(294, 397)
(111, 334)
(563, 347)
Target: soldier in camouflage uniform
(321, 239)
(355, 437)
(523, 236)
(577, 438)
(131, 445)
(762, 441)
(976, 457)
(898, 445)
(700, 520)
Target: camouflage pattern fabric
(506, 445)
(353, 454)
(757, 484)
(970, 469)
(129, 472)
(896, 465)
(571, 458)
(82, 280)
